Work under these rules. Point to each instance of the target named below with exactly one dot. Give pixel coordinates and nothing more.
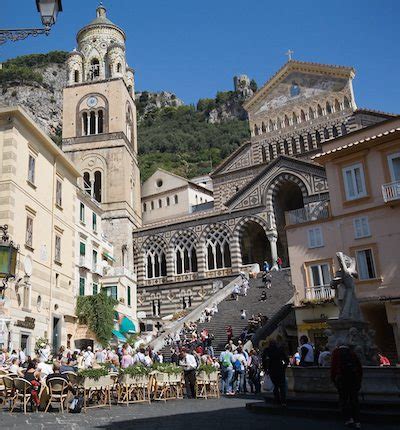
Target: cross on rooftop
(289, 53)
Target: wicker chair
(58, 392)
(8, 391)
(23, 392)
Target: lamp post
(48, 10)
(8, 258)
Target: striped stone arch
(182, 233)
(213, 226)
(272, 188)
(258, 220)
(154, 239)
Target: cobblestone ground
(222, 414)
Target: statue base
(356, 334)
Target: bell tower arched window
(93, 122)
(97, 186)
(76, 76)
(87, 186)
(94, 71)
(119, 68)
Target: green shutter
(82, 249)
(94, 222)
(95, 289)
(81, 286)
(129, 295)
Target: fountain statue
(350, 328)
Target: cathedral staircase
(278, 296)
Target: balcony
(98, 269)
(311, 212)
(391, 191)
(84, 263)
(120, 271)
(321, 294)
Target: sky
(194, 48)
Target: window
(128, 293)
(144, 207)
(82, 249)
(94, 222)
(81, 286)
(97, 186)
(159, 203)
(152, 205)
(218, 251)
(156, 262)
(76, 76)
(365, 264)
(31, 169)
(320, 275)
(29, 232)
(168, 203)
(58, 193)
(57, 248)
(112, 292)
(394, 166)
(95, 289)
(315, 239)
(82, 213)
(185, 253)
(86, 183)
(94, 260)
(361, 227)
(354, 181)
(176, 199)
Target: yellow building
(37, 202)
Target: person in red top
(346, 374)
(229, 333)
(279, 263)
(383, 361)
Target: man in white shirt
(139, 357)
(189, 364)
(240, 365)
(306, 352)
(100, 356)
(88, 358)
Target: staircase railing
(195, 314)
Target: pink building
(362, 219)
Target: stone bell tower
(99, 128)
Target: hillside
(186, 140)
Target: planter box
(134, 379)
(102, 382)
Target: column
(170, 264)
(314, 140)
(88, 123)
(272, 238)
(236, 255)
(92, 188)
(201, 260)
(96, 123)
(141, 268)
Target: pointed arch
(311, 113)
(346, 102)
(184, 246)
(217, 239)
(154, 250)
(302, 116)
(328, 107)
(319, 110)
(337, 105)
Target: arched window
(152, 205)
(263, 129)
(92, 122)
(87, 186)
(279, 123)
(311, 113)
(285, 147)
(97, 186)
(94, 69)
(159, 203)
(278, 148)
(176, 199)
(286, 121)
(110, 70)
(144, 207)
(100, 121)
(217, 246)
(129, 123)
(318, 138)
(185, 254)
(255, 130)
(326, 133)
(168, 203)
(337, 105)
(85, 124)
(319, 110)
(343, 129)
(119, 68)
(302, 116)
(156, 263)
(328, 108)
(334, 131)
(302, 146)
(271, 125)
(294, 118)
(294, 146)
(76, 76)
(346, 102)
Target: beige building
(165, 195)
(360, 218)
(37, 194)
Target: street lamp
(8, 258)
(48, 10)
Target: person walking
(254, 372)
(229, 333)
(279, 263)
(346, 374)
(189, 364)
(266, 266)
(240, 367)
(275, 361)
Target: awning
(120, 337)
(127, 326)
(108, 256)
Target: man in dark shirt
(56, 374)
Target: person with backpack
(226, 361)
(253, 366)
(240, 367)
(346, 374)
